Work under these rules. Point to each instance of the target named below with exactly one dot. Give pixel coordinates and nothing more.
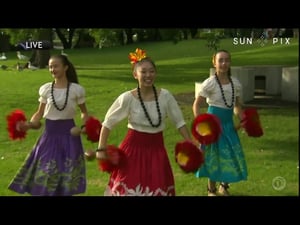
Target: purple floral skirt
(55, 166)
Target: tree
(85, 40)
(40, 57)
(65, 36)
(4, 42)
(129, 35)
(213, 41)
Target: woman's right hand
(22, 126)
(35, 125)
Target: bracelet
(101, 149)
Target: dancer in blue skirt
(56, 164)
(224, 159)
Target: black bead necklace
(53, 100)
(222, 91)
(145, 110)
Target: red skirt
(147, 171)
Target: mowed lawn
(273, 159)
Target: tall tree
(66, 36)
(40, 57)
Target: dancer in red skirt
(147, 170)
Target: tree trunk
(129, 36)
(194, 32)
(40, 57)
(4, 43)
(66, 42)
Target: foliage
(105, 37)
(19, 35)
(213, 41)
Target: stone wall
(277, 80)
(290, 84)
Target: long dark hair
(71, 72)
(214, 58)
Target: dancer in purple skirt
(56, 164)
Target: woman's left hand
(238, 126)
(101, 155)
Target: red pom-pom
(188, 156)
(251, 122)
(206, 128)
(92, 128)
(115, 160)
(12, 120)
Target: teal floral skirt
(224, 159)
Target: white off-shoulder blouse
(76, 97)
(128, 106)
(210, 89)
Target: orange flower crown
(136, 56)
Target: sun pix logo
(266, 37)
(262, 41)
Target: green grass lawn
(272, 159)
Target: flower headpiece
(136, 56)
